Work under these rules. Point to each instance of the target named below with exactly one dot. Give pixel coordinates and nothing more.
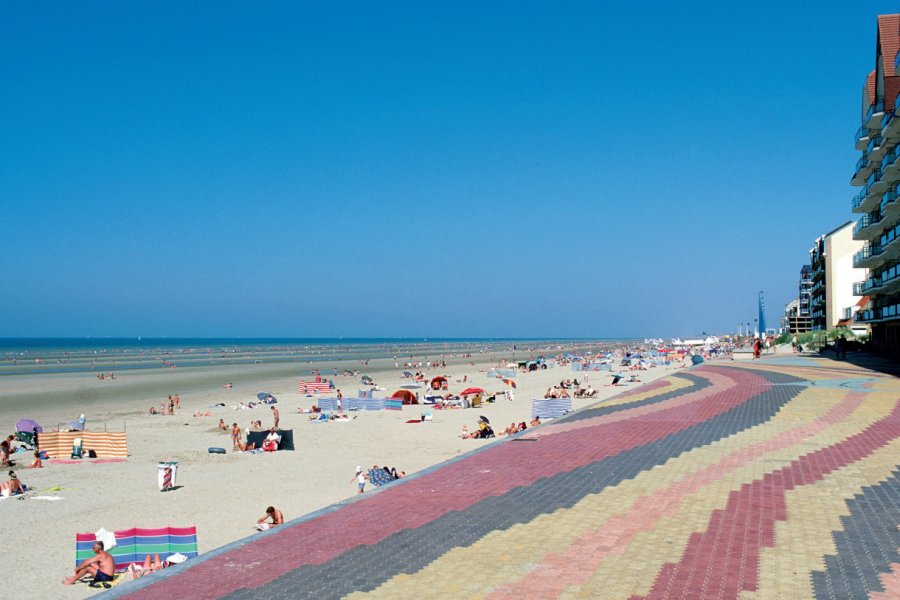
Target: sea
(70, 355)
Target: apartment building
(877, 172)
(833, 275)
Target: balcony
(875, 184)
(861, 138)
(887, 281)
(865, 258)
(889, 202)
(857, 201)
(865, 227)
(861, 172)
(874, 115)
(890, 166)
(875, 148)
(889, 242)
(890, 127)
(882, 313)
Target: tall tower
(762, 315)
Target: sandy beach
(224, 495)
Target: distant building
(833, 274)
(794, 321)
(878, 173)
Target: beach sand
(224, 495)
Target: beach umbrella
(266, 397)
(471, 390)
(509, 382)
(28, 426)
(406, 396)
(484, 418)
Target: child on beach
(37, 464)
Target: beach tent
(133, 545)
(406, 396)
(266, 397)
(28, 426)
(286, 443)
(106, 444)
(437, 382)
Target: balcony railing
(858, 199)
(889, 236)
(861, 133)
(889, 197)
(874, 178)
(874, 282)
(886, 119)
(868, 251)
(875, 142)
(862, 163)
(881, 313)
(889, 158)
(873, 109)
(867, 221)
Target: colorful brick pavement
(770, 479)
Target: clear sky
(420, 169)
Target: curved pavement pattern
(755, 480)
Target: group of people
(168, 407)
(513, 428)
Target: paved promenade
(759, 479)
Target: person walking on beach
(236, 436)
(360, 479)
(275, 416)
(340, 404)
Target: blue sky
(420, 169)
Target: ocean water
(67, 355)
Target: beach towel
(551, 408)
(379, 477)
(393, 404)
(133, 545)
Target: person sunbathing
(223, 425)
(148, 567)
(522, 426)
(535, 422)
(511, 429)
(101, 566)
(197, 413)
(276, 519)
(36, 463)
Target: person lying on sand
(197, 413)
(148, 567)
(276, 519)
(101, 566)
